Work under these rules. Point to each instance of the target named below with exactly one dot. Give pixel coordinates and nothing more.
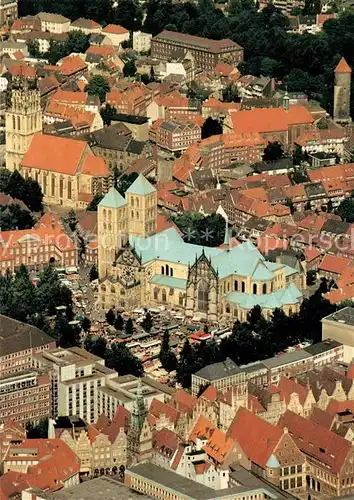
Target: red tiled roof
(210, 393)
(95, 166)
(165, 442)
(343, 67)
(316, 441)
(322, 418)
(288, 386)
(183, 401)
(340, 406)
(334, 264)
(157, 409)
(55, 154)
(257, 437)
(265, 120)
(115, 29)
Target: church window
(227, 308)
(61, 188)
(69, 189)
(132, 214)
(103, 288)
(180, 299)
(132, 201)
(14, 122)
(137, 215)
(109, 214)
(235, 313)
(264, 288)
(53, 185)
(290, 311)
(113, 290)
(162, 269)
(164, 296)
(167, 270)
(18, 123)
(243, 287)
(156, 293)
(203, 297)
(45, 184)
(104, 213)
(255, 288)
(137, 202)
(236, 285)
(171, 271)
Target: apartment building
(83, 386)
(19, 342)
(339, 326)
(289, 364)
(54, 23)
(25, 397)
(222, 376)
(36, 247)
(8, 11)
(141, 41)
(207, 53)
(174, 136)
(76, 376)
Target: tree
(199, 230)
(310, 278)
(123, 361)
(107, 114)
(50, 292)
(346, 210)
(33, 48)
(129, 68)
(96, 345)
(129, 14)
(211, 127)
(57, 50)
(98, 85)
(274, 151)
(93, 275)
(129, 327)
(230, 93)
(67, 335)
(119, 322)
(86, 324)
(92, 206)
(289, 203)
(33, 195)
(77, 42)
(71, 220)
(14, 217)
(37, 430)
(235, 7)
(110, 316)
(147, 322)
(167, 356)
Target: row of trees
(12, 217)
(257, 338)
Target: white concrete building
(141, 41)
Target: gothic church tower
(23, 119)
(342, 82)
(139, 438)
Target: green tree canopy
(129, 68)
(346, 210)
(98, 85)
(274, 151)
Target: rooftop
(16, 336)
(217, 371)
(324, 346)
(141, 186)
(344, 316)
(284, 359)
(197, 41)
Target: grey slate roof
(324, 346)
(284, 359)
(217, 371)
(344, 316)
(16, 336)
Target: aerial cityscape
(176, 249)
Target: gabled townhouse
(328, 455)
(270, 451)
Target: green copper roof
(273, 462)
(169, 281)
(141, 186)
(279, 298)
(112, 199)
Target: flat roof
(344, 316)
(95, 489)
(324, 346)
(287, 358)
(135, 119)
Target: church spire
(139, 410)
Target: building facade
(206, 53)
(25, 397)
(8, 11)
